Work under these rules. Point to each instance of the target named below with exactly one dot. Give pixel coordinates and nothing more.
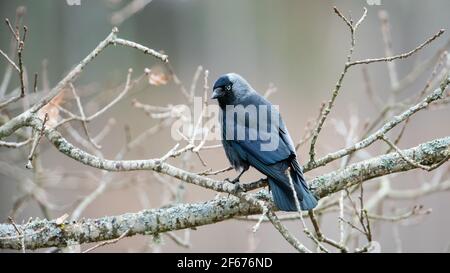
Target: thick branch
(43, 233)
(427, 154)
(79, 155)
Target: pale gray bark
(58, 233)
(44, 233)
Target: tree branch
(435, 95)
(45, 233)
(17, 122)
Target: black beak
(216, 93)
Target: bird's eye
(228, 87)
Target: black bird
(266, 144)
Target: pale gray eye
(228, 87)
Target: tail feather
(284, 197)
(284, 201)
(307, 200)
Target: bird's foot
(234, 181)
(237, 188)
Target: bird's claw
(238, 187)
(234, 181)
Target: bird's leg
(236, 180)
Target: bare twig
(7, 144)
(415, 211)
(335, 92)
(299, 211)
(412, 161)
(285, 233)
(10, 61)
(83, 117)
(44, 73)
(364, 219)
(73, 74)
(352, 225)
(105, 131)
(6, 102)
(386, 32)
(320, 235)
(194, 81)
(211, 147)
(373, 98)
(20, 233)
(400, 135)
(309, 130)
(35, 82)
(436, 95)
(271, 90)
(210, 172)
(349, 64)
(177, 81)
(113, 241)
(260, 220)
(15, 33)
(170, 153)
(128, 85)
(118, 17)
(400, 56)
(340, 219)
(420, 68)
(179, 241)
(21, 74)
(37, 137)
(142, 48)
(439, 65)
(14, 225)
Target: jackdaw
(254, 134)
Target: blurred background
(298, 46)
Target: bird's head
(230, 85)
